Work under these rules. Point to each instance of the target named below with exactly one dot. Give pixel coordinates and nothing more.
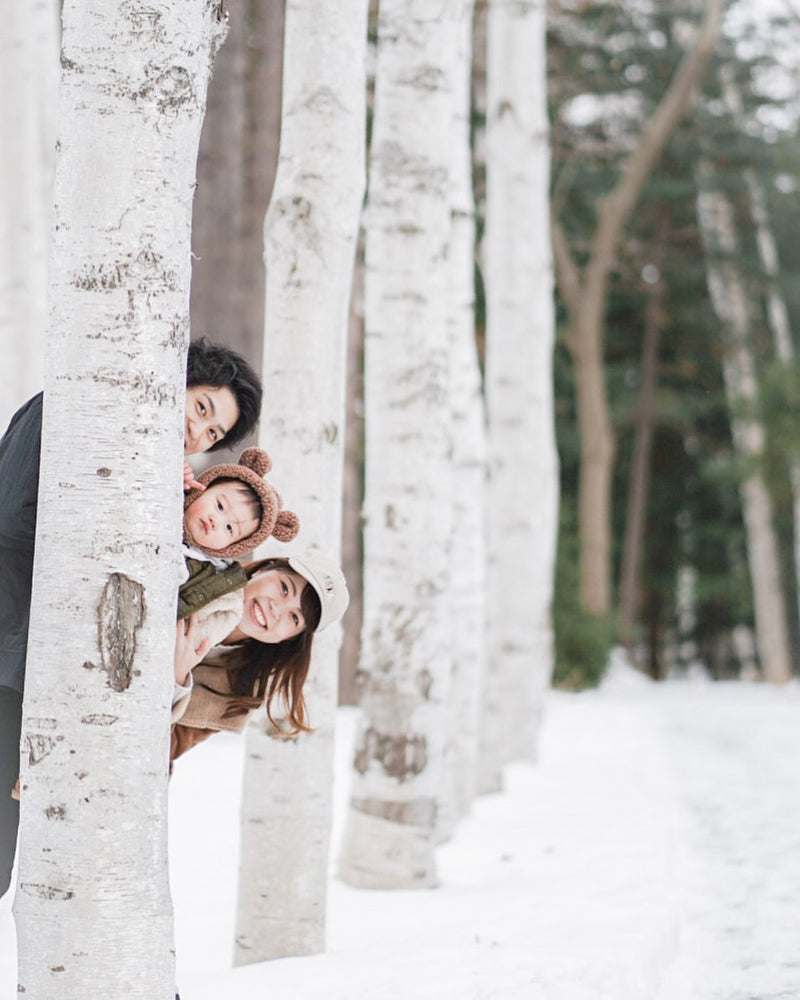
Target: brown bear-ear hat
(253, 465)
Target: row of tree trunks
(119, 333)
(424, 616)
(310, 235)
(92, 907)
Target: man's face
(211, 412)
(221, 516)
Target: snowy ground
(653, 853)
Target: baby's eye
(219, 505)
(229, 528)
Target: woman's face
(272, 605)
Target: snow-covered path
(735, 752)
(653, 853)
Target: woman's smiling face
(272, 611)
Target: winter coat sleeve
(183, 738)
(206, 710)
(19, 484)
(181, 693)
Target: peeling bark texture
(522, 523)
(408, 446)
(119, 616)
(93, 905)
(399, 756)
(420, 813)
(729, 298)
(310, 234)
(29, 79)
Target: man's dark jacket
(19, 483)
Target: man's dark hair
(213, 364)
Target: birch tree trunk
(777, 313)
(29, 81)
(778, 317)
(468, 556)
(92, 906)
(310, 236)
(523, 464)
(405, 657)
(728, 297)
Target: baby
(228, 512)
(237, 510)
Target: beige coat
(204, 710)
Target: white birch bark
(777, 313)
(778, 317)
(468, 556)
(92, 906)
(523, 463)
(728, 297)
(29, 83)
(405, 657)
(310, 233)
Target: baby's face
(220, 516)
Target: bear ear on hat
(257, 460)
(286, 526)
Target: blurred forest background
(683, 587)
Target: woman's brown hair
(258, 672)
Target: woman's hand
(189, 482)
(187, 653)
